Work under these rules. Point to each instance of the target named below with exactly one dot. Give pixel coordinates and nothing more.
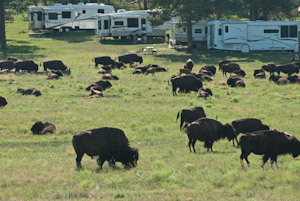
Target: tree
(188, 11)
(2, 26)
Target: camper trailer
(246, 36)
(179, 35)
(66, 17)
(129, 25)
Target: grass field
(43, 167)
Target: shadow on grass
(214, 56)
(71, 37)
(128, 42)
(27, 51)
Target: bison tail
(178, 115)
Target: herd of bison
(111, 144)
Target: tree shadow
(128, 42)
(71, 37)
(22, 51)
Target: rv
(199, 34)
(129, 25)
(66, 17)
(246, 36)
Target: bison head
(140, 59)
(131, 158)
(295, 146)
(230, 132)
(37, 127)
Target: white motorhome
(129, 25)
(246, 36)
(66, 17)
(199, 34)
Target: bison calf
(31, 91)
(43, 128)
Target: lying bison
(278, 79)
(211, 69)
(208, 131)
(109, 144)
(30, 91)
(186, 83)
(129, 58)
(189, 115)
(43, 128)
(54, 65)
(235, 82)
(259, 73)
(109, 76)
(99, 84)
(269, 143)
(3, 101)
(26, 65)
(105, 60)
(204, 93)
(7, 64)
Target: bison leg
(78, 160)
(112, 163)
(244, 156)
(274, 160)
(100, 162)
(190, 143)
(265, 159)
(193, 144)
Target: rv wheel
(129, 37)
(245, 49)
(67, 29)
(60, 30)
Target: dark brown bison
(160, 69)
(99, 84)
(271, 68)
(105, 60)
(43, 128)
(142, 68)
(3, 101)
(208, 131)
(129, 58)
(95, 92)
(204, 77)
(221, 63)
(54, 65)
(14, 59)
(184, 71)
(259, 73)
(7, 64)
(294, 78)
(31, 91)
(152, 71)
(240, 73)
(204, 93)
(230, 67)
(270, 144)
(278, 79)
(189, 115)
(109, 144)
(54, 74)
(27, 65)
(109, 76)
(137, 71)
(186, 83)
(211, 69)
(288, 69)
(235, 82)
(189, 64)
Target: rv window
(52, 16)
(39, 16)
(205, 30)
(293, 31)
(284, 32)
(220, 32)
(271, 31)
(66, 14)
(226, 29)
(99, 25)
(184, 29)
(143, 21)
(101, 11)
(105, 24)
(198, 30)
(132, 22)
(119, 23)
(83, 11)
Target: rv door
(104, 26)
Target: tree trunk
(145, 5)
(265, 10)
(2, 26)
(255, 10)
(219, 13)
(189, 35)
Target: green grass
(43, 167)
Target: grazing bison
(27, 65)
(186, 83)
(189, 115)
(109, 77)
(230, 67)
(3, 101)
(189, 64)
(270, 144)
(204, 93)
(43, 128)
(278, 79)
(129, 58)
(54, 65)
(106, 60)
(211, 69)
(109, 144)
(271, 68)
(31, 91)
(99, 84)
(287, 69)
(221, 63)
(208, 131)
(235, 82)
(7, 64)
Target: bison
(208, 131)
(105, 60)
(294, 78)
(230, 67)
(189, 115)
(109, 76)
(54, 65)
(240, 73)
(184, 71)
(278, 79)
(186, 83)
(288, 69)
(189, 64)
(270, 144)
(7, 64)
(271, 68)
(109, 144)
(129, 58)
(3, 101)
(152, 71)
(43, 128)
(211, 69)
(99, 84)
(259, 73)
(96, 92)
(204, 93)
(235, 82)
(221, 63)
(27, 65)
(30, 91)
(14, 59)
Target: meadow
(34, 167)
